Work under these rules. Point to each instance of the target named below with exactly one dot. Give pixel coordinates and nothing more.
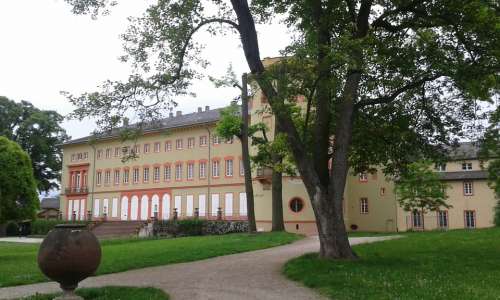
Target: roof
(465, 150)
(48, 203)
(196, 118)
(464, 175)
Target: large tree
(385, 81)
(40, 134)
(18, 194)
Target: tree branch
(389, 98)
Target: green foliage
(420, 188)
(497, 214)
(19, 265)
(39, 133)
(111, 292)
(423, 265)
(12, 229)
(18, 194)
(230, 122)
(42, 227)
(194, 227)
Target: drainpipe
(93, 183)
(209, 168)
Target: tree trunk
(423, 219)
(252, 227)
(277, 197)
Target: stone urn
(69, 254)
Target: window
(107, 177)
(117, 177)
(296, 205)
(126, 174)
(203, 169)
(242, 168)
(145, 174)
(168, 146)
(125, 150)
(73, 157)
(382, 191)
(99, 154)
(157, 147)
(108, 153)
(178, 144)
(203, 141)
(363, 206)
(229, 167)
(363, 177)
(191, 143)
(117, 151)
(146, 148)
(135, 175)
(470, 219)
(98, 178)
(136, 149)
(216, 139)
(178, 171)
(85, 155)
(215, 168)
(442, 218)
(417, 219)
(79, 156)
(190, 171)
(440, 167)
(468, 188)
(167, 173)
(466, 166)
(230, 140)
(156, 174)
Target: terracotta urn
(69, 254)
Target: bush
(497, 214)
(191, 227)
(12, 229)
(42, 227)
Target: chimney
(199, 109)
(178, 113)
(171, 115)
(207, 108)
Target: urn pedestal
(69, 254)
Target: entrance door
(124, 209)
(134, 206)
(144, 207)
(165, 210)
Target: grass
(433, 265)
(111, 293)
(19, 266)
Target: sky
(45, 49)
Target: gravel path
(247, 276)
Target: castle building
(184, 169)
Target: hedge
(191, 227)
(42, 227)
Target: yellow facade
(370, 203)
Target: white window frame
(202, 169)
(156, 174)
(145, 174)
(167, 172)
(229, 167)
(190, 171)
(215, 168)
(363, 206)
(467, 166)
(468, 188)
(178, 172)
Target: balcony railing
(77, 190)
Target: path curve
(246, 276)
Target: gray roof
(49, 203)
(196, 118)
(465, 150)
(464, 175)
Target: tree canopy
(420, 188)
(39, 133)
(385, 82)
(18, 193)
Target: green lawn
(111, 293)
(18, 261)
(435, 265)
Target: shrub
(42, 227)
(12, 229)
(191, 227)
(497, 213)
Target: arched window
(296, 205)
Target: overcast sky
(45, 49)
